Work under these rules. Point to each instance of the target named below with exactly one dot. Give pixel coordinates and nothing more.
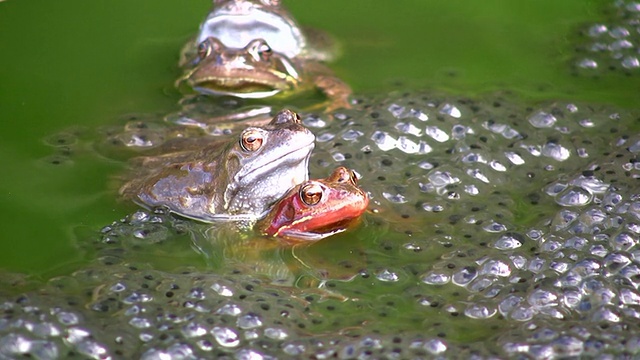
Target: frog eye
(264, 51)
(343, 175)
(208, 46)
(259, 50)
(204, 49)
(286, 116)
(311, 193)
(353, 177)
(251, 140)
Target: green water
(73, 63)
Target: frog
(235, 23)
(256, 71)
(236, 178)
(281, 245)
(316, 209)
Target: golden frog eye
(251, 140)
(311, 193)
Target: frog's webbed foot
(336, 91)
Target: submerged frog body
(316, 209)
(236, 179)
(256, 71)
(235, 23)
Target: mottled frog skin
(237, 178)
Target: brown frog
(256, 71)
(233, 179)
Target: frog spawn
(181, 316)
(522, 219)
(493, 246)
(146, 313)
(613, 44)
(585, 299)
(449, 149)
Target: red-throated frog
(316, 209)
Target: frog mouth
(242, 85)
(241, 89)
(246, 93)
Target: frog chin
(287, 157)
(301, 161)
(246, 191)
